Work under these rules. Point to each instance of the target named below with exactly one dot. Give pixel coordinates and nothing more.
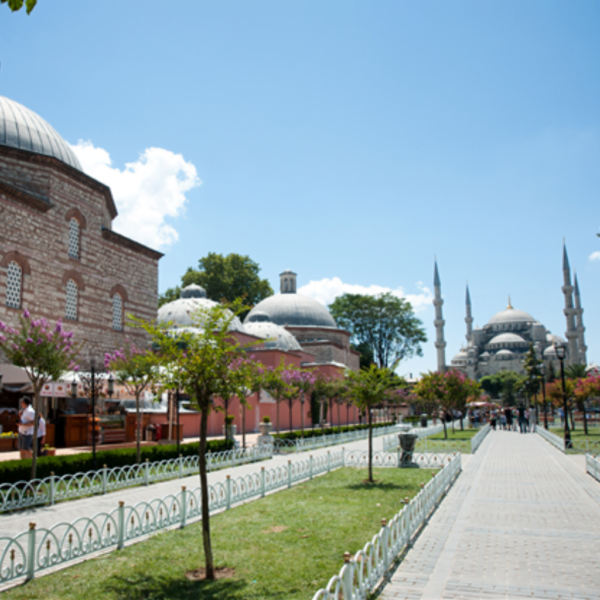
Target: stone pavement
(522, 521)
(46, 516)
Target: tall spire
(571, 334)
(579, 324)
(468, 316)
(439, 322)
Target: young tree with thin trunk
(46, 353)
(202, 360)
(137, 371)
(368, 388)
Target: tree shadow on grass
(378, 485)
(147, 587)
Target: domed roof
(507, 338)
(550, 352)
(294, 310)
(511, 315)
(551, 338)
(22, 128)
(180, 311)
(504, 355)
(277, 336)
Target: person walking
(509, 419)
(521, 416)
(25, 422)
(41, 436)
(502, 421)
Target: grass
(283, 547)
(467, 434)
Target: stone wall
(38, 197)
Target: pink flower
(29, 341)
(26, 314)
(58, 327)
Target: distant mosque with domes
(502, 343)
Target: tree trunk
(208, 555)
(339, 418)
(36, 421)
(370, 422)
(445, 430)
(572, 420)
(244, 425)
(278, 403)
(321, 416)
(290, 407)
(585, 425)
(138, 428)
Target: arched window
(74, 238)
(117, 317)
(71, 304)
(14, 280)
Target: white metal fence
(592, 466)
(362, 572)
(38, 492)
(555, 440)
(36, 551)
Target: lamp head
(561, 350)
(110, 385)
(74, 388)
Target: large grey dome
(22, 128)
(294, 310)
(511, 316)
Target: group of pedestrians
(513, 419)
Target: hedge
(12, 471)
(308, 433)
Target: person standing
(41, 434)
(509, 419)
(26, 418)
(522, 421)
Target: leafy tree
(586, 388)
(170, 295)
(136, 370)
(369, 388)
(298, 382)
(46, 353)
(232, 277)
(382, 326)
(503, 385)
(576, 371)
(203, 364)
(16, 5)
(531, 384)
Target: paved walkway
(522, 521)
(11, 524)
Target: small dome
(23, 129)
(504, 355)
(294, 310)
(258, 317)
(550, 352)
(278, 337)
(193, 291)
(507, 338)
(551, 338)
(484, 355)
(179, 312)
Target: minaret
(571, 333)
(469, 317)
(439, 322)
(579, 324)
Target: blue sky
(349, 141)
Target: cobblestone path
(522, 521)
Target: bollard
(228, 491)
(121, 525)
(104, 479)
(51, 488)
(30, 553)
(147, 472)
(183, 506)
(262, 482)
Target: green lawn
(593, 433)
(283, 547)
(467, 434)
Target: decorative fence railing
(27, 494)
(36, 551)
(578, 445)
(333, 439)
(479, 437)
(554, 439)
(362, 572)
(592, 466)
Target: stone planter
(265, 436)
(50, 452)
(230, 431)
(8, 444)
(407, 445)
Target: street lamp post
(561, 353)
(543, 378)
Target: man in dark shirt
(522, 420)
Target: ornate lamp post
(543, 381)
(561, 353)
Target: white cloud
(595, 256)
(326, 291)
(146, 192)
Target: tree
(531, 384)
(46, 354)
(503, 385)
(16, 5)
(369, 388)
(382, 326)
(232, 277)
(202, 362)
(136, 370)
(298, 382)
(586, 388)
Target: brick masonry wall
(42, 239)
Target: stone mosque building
(502, 343)
(59, 257)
